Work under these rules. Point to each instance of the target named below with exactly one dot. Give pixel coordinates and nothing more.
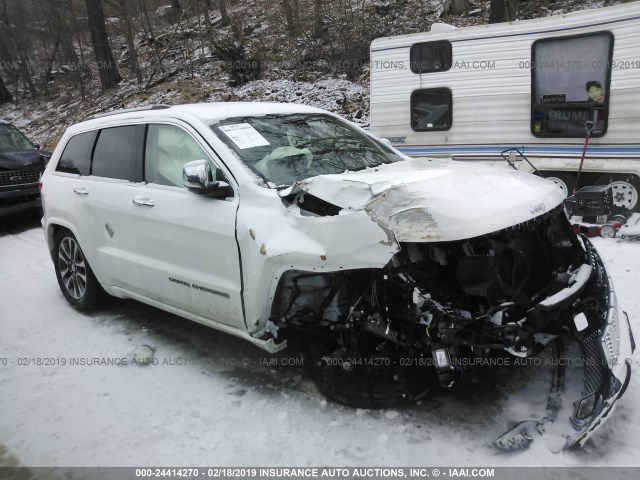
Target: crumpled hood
(427, 200)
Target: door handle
(142, 201)
(81, 191)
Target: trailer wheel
(564, 181)
(625, 192)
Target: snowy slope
(256, 412)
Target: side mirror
(198, 179)
(36, 146)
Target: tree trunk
(109, 75)
(458, 7)
(206, 4)
(68, 53)
(146, 22)
(496, 12)
(292, 27)
(128, 31)
(19, 48)
(177, 9)
(318, 24)
(5, 95)
(81, 66)
(512, 8)
(503, 11)
(226, 20)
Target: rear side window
(431, 109)
(118, 153)
(429, 57)
(76, 157)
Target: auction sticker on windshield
(244, 135)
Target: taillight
(40, 185)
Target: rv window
(430, 57)
(571, 85)
(431, 109)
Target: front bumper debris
(602, 346)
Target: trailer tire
(565, 181)
(625, 192)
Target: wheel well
(594, 178)
(52, 232)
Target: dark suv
(21, 165)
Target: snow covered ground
(213, 399)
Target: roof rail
(128, 110)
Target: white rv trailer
(477, 93)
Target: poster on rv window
(572, 69)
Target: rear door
(106, 216)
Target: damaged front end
(380, 337)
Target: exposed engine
(441, 301)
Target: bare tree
(146, 22)
(291, 16)
(80, 68)
(128, 32)
(54, 27)
(458, 7)
(16, 43)
(318, 23)
(5, 95)
(226, 19)
(109, 75)
(503, 11)
(206, 5)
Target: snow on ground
(231, 404)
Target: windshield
(12, 139)
(286, 148)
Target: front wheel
(75, 277)
(368, 381)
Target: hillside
(255, 58)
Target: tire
(564, 181)
(75, 277)
(373, 382)
(625, 192)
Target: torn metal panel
(583, 396)
(274, 238)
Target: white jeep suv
(284, 223)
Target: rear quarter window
(76, 157)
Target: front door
(165, 243)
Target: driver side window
(168, 148)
